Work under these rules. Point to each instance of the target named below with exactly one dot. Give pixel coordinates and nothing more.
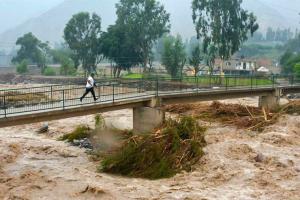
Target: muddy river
(238, 164)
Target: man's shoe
(96, 99)
(81, 100)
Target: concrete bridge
(145, 97)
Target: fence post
(226, 83)
(4, 102)
(63, 93)
(197, 84)
(99, 94)
(156, 86)
(235, 81)
(51, 94)
(273, 81)
(292, 80)
(251, 81)
(113, 93)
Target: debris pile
(176, 146)
(245, 117)
(79, 137)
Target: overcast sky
(14, 12)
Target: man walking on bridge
(90, 87)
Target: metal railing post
(226, 83)
(63, 93)
(4, 102)
(251, 81)
(51, 94)
(292, 80)
(197, 84)
(234, 81)
(113, 92)
(156, 87)
(99, 94)
(273, 81)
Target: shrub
(67, 66)
(48, 71)
(22, 67)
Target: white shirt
(90, 82)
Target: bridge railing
(16, 101)
(51, 97)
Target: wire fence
(43, 98)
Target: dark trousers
(87, 90)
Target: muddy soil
(238, 164)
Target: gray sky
(275, 13)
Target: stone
(259, 158)
(44, 128)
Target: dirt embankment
(238, 164)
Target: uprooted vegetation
(246, 117)
(176, 146)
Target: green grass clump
(133, 76)
(79, 133)
(177, 147)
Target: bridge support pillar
(145, 119)
(270, 102)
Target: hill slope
(49, 26)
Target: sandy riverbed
(34, 166)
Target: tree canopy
(297, 69)
(288, 62)
(144, 21)
(31, 49)
(83, 35)
(118, 47)
(222, 24)
(174, 56)
(196, 59)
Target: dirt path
(238, 165)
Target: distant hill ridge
(49, 26)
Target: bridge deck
(49, 103)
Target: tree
(297, 69)
(67, 66)
(288, 62)
(270, 35)
(293, 45)
(31, 49)
(118, 47)
(82, 34)
(223, 24)
(144, 21)
(174, 56)
(63, 56)
(195, 59)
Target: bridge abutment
(271, 101)
(145, 119)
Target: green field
(229, 81)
